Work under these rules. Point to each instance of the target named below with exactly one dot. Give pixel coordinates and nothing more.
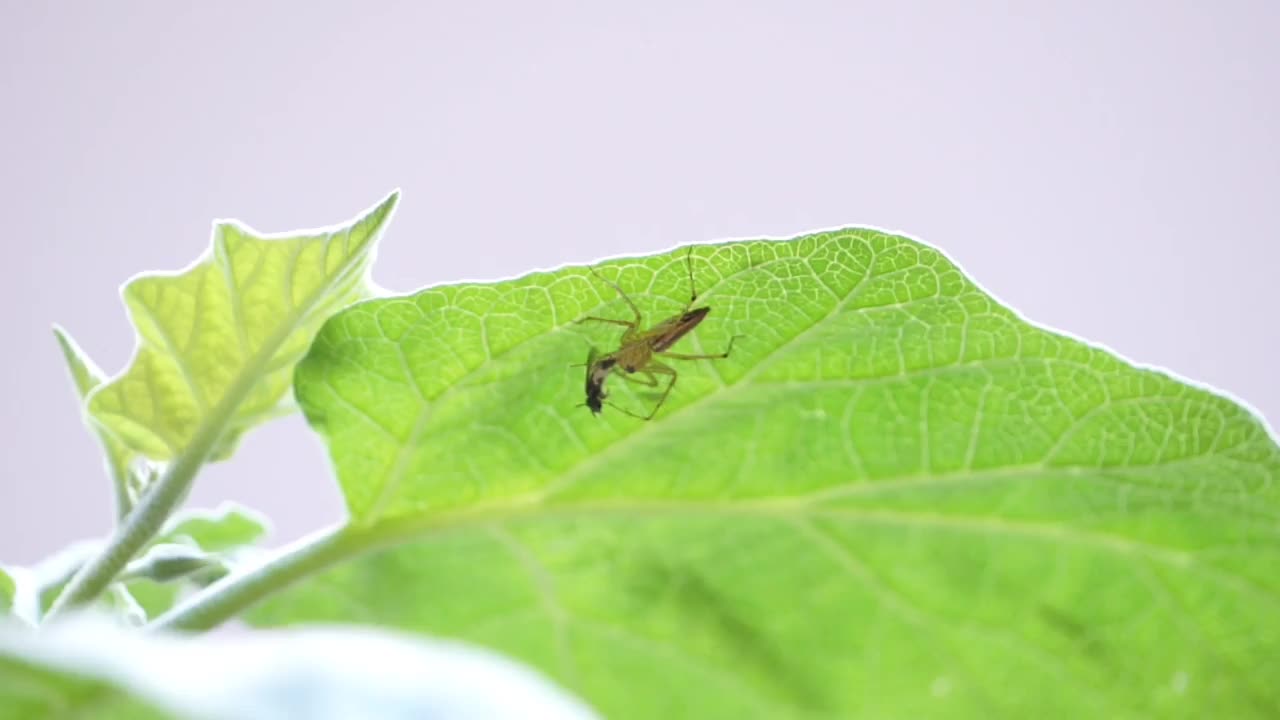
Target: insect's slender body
(635, 356)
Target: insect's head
(598, 370)
(595, 397)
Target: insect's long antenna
(635, 310)
(693, 289)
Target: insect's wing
(669, 331)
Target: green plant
(898, 498)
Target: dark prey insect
(635, 356)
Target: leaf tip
(381, 211)
(85, 374)
(64, 339)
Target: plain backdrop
(1111, 169)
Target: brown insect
(635, 356)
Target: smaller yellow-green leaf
(211, 537)
(154, 597)
(225, 527)
(217, 341)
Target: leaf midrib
(357, 539)
(407, 527)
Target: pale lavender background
(1111, 169)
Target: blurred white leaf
(313, 673)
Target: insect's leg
(657, 368)
(650, 380)
(624, 323)
(716, 356)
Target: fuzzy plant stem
(164, 496)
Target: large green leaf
(91, 669)
(228, 330)
(896, 499)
